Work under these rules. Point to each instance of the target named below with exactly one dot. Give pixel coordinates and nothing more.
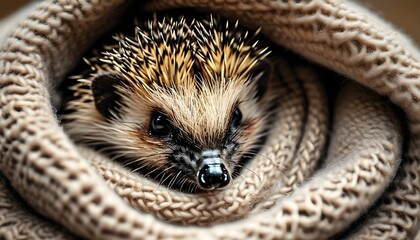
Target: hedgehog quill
(184, 102)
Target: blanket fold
(344, 166)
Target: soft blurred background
(405, 14)
(7, 6)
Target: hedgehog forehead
(201, 114)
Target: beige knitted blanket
(339, 167)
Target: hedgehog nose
(214, 175)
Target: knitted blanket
(340, 162)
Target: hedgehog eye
(160, 125)
(236, 118)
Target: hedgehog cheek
(105, 93)
(261, 74)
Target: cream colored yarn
(310, 182)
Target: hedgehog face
(202, 131)
(185, 99)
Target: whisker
(194, 189)
(237, 174)
(253, 154)
(173, 181)
(163, 171)
(189, 188)
(147, 174)
(252, 171)
(182, 184)
(160, 154)
(169, 175)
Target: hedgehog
(184, 102)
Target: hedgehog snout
(212, 172)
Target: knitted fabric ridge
(309, 182)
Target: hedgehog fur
(174, 92)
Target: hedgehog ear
(262, 74)
(106, 94)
